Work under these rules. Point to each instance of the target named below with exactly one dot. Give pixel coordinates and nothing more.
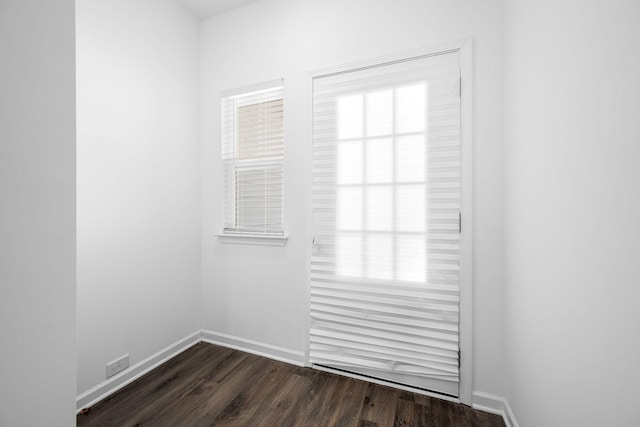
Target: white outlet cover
(118, 365)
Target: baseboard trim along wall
(115, 383)
(482, 401)
(254, 347)
(509, 418)
(494, 404)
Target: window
(252, 156)
(381, 183)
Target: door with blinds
(385, 265)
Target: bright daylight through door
(386, 205)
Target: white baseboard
(494, 404)
(488, 402)
(261, 349)
(509, 418)
(482, 401)
(115, 383)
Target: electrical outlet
(118, 365)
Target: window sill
(252, 239)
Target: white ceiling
(207, 8)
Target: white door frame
(464, 47)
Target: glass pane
(410, 159)
(379, 160)
(380, 208)
(350, 162)
(260, 130)
(350, 116)
(349, 208)
(411, 108)
(349, 254)
(411, 258)
(380, 256)
(410, 208)
(379, 113)
(258, 197)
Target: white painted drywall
(261, 293)
(207, 8)
(572, 206)
(138, 181)
(37, 213)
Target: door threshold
(399, 386)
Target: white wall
(572, 209)
(37, 213)
(261, 293)
(138, 181)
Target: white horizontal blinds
(252, 153)
(386, 198)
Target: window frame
(232, 163)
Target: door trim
(466, 236)
(465, 49)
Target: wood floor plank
(349, 396)
(325, 401)
(436, 414)
(209, 385)
(420, 414)
(140, 394)
(241, 410)
(375, 406)
(404, 413)
(147, 410)
(311, 404)
(273, 411)
(177, 393)
(219, 391)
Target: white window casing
(253, 164)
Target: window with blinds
(252, 156)
(386, 204)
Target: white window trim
(251, 89)
(253, 238)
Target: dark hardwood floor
(209, 385)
